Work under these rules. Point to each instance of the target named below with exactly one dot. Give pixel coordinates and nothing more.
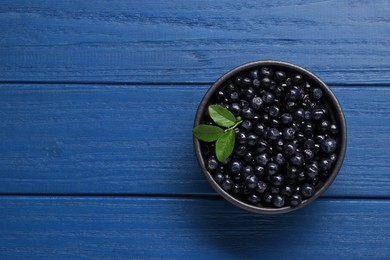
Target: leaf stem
(232, 127)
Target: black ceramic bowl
(335, 113)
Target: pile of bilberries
(285, 146)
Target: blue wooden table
(97, 101)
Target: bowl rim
(339, 117)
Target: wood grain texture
(99, 227)
(191, 41)
(115, 139)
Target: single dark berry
(262, 146)
(246, 81)
(237, 188)
(251, 182)
(287, 190)
(291, 106)
(278, 91)
(325, 164)
(212, 163)
(325, 125)
(279, 159)
(247, 125)
(274, 111)
(268, 98)
(219, 178)
(277, 180)
(273, 134)
(308, 128)
(329, 145)
(238, 80)
(312, 171)
(289, 149)
(309, 143)
(274, 190)
(254, 74)
(256, 103)
(256, 83)
(266, 83)
(248, 93)
(316, 148)
(265, 118)
(297, 79)
(297, 159)
(307, 190)
(231, 88)
(299, 114)
(278, 146)
(261, 187)
(267, 198)
(236, 167)
(248, 157)
(254, 199)
(280, 76)
(272, 168)
(307, 115)
(235, 109)
(278, 201)
(292, 172)
(240, 151)
(266, 72)
(295, 200)
(274, 122)
(286, 119)
(252, 139)
(289, 133)
(333, 158)
(244, 103)
(248, 113)
(259, 170)
(288, 82)
(295, 94)
(296, 125)
(307, 85)
(334, 129)
(260, 129)
(234, 96)
(256, 119)
(221, 95)
(308, 154)
(317, 114)
(247, 170)
(262, 159)
(241, 138)
(320, 138)
(316, 93)
(227, 185)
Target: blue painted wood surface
(97, 101)
(110, 139)
(139, 227)
(191, 41)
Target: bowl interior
(329, 100)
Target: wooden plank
(191, 41)
(137, 140)
(114, 227)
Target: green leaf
(207, 133)
(225, 145)
(221, 116)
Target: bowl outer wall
(336, 110)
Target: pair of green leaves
(225, 138)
